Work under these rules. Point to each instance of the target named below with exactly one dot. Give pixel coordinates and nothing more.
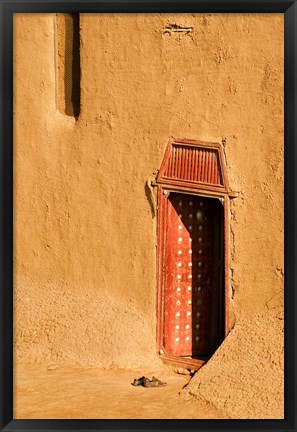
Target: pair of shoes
(145, 382)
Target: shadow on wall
(69, 63)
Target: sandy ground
(43, 392)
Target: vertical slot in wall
(68, 63)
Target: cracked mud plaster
(84, 232)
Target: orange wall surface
(84, 231)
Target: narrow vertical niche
(68, 64)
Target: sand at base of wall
(81, 327)
(245, 377)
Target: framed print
(148, 215)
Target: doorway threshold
(191, 363)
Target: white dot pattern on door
(188, 261)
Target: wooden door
(193, 275)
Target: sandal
(154, 382)
(139, 381)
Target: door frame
(162, 196)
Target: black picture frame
(7, 9)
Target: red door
(193, 275)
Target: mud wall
(85, 235)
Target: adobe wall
(85, 236)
